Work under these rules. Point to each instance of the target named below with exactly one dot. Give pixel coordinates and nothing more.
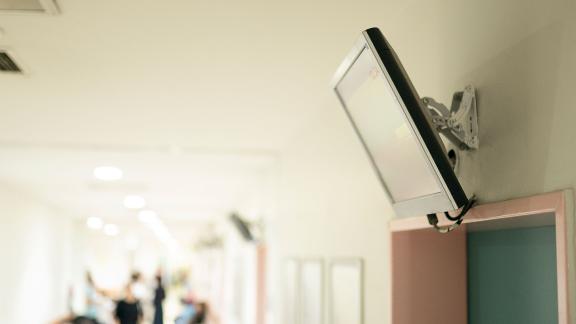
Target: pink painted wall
(413, 248)
(429, 277)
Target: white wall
(37, 258)
(521, 56)
(332, 206)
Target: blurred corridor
(80, 225)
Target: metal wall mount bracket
(459, 124)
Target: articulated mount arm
(459, 124)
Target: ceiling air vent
(7, 64)
(29, 6)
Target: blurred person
(188, 312)
(92, 312)
(138, 287)
(92, 298)
(128, 310)
(201, 315)
(142, 293)
(73, 319)
(95, 299)
(159, 296)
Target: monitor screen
(392, 124)
(390, 141)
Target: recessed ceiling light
(95, 223)
(108, 173)
(134, 202)
(111, 230)
(155, 224)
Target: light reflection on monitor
(380, 122)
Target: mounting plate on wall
(459, 124)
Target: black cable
(463, 212)
(433, 218)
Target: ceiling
(192, 99)
(177, 184)
(219, 75)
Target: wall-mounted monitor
(395, 128)
(242, 226)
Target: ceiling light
(95, 223)
(111, 230)
(147, 216)
(134, 202)
(155, 224)
(108, 173)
